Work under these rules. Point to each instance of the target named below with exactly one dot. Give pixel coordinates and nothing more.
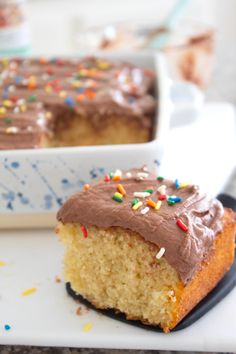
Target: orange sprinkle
(90, 94)
(86, 186)
(151, 203)
(121, 189)
(42, 60)
(32, 83)
(80, 98)
(116, 178)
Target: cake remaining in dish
(148, 247)
(90, 101)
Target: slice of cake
(148, 247)
(77, 102)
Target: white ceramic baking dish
(34, 183)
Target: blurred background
(67, 27)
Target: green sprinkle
(160, 178)
(134, 201)
(32, 98)
(149, 191)
(170, 202)
(111, 174)
(7, 120)
(117, 199)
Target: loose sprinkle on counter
(7, 327)
(84, 231)
(137, 205)
(87, 327)
(121, 189)
(181, 225)
(160, 253)
(145, 210)
(86, 186)
(28, 291)
(2, 264)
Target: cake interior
(114, 268)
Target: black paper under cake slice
(222, 289)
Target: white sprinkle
(16, 110)
(162, 189)
(142, 174)
(141, 194)
(145, 168)
(20, 102)
(160, 253)
(145, 210)
(128, 174)
(12, 130)
(118, 173)
(11, 88)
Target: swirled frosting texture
(183, 250)
(39, 95)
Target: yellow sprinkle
(28, 291)
(3, 110)
(48, 89)
(183, 185)
(76, 84)
(137, 205)
(119, 195)
(86, 186)
(23, 108)
(158, 204)
(87, 327)
(62, 94)
(2, 264)
(7, 103)
(102, 64)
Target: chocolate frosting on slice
(184, 249)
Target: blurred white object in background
(14, 28)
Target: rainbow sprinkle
(158, 204)
(182, 225)
(86, 187)
(121, 189)
(7, 327)
(145, 210)
(87, 327)
(84, 231)
(28, 291)
(136, 206)
(160, 253)
(117, 197)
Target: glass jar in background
(189, 52)
(14, 28)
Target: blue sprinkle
(15, 164)
(131, 99)
(80, 90)
(157, 162)
(7, 327)
(175, 199)
(69, 101)
(18, 79)
(47, 197)
(176, 183)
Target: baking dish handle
(187, 101)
